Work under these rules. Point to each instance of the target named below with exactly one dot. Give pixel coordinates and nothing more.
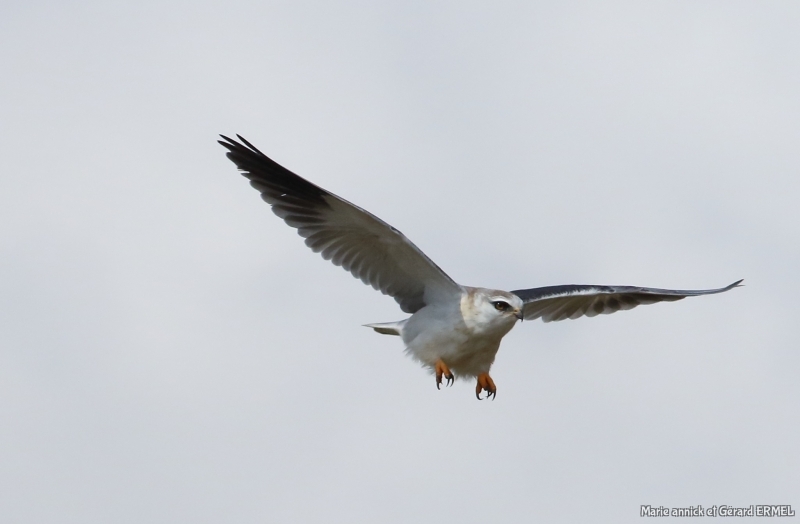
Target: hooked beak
(518, 314)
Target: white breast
(464, 335)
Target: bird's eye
(500, 305)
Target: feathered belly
(465, 345)
(465, 356)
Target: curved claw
(442, 370)
(485, 383)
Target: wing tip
(232, 145)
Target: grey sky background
(171, 352)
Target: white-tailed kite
(454, 330)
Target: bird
(454, 331)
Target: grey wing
(345, 234)
(556, 303)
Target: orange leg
(443, 371)
(485, 383)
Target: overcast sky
(171, 352)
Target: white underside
(454, 333)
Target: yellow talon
(485, 383)
(443, 371)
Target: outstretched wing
(555, 303)
(345, 234)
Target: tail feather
(388, 328)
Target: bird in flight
(453, 330)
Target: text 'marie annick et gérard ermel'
(759, 510)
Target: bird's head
(492, 310)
